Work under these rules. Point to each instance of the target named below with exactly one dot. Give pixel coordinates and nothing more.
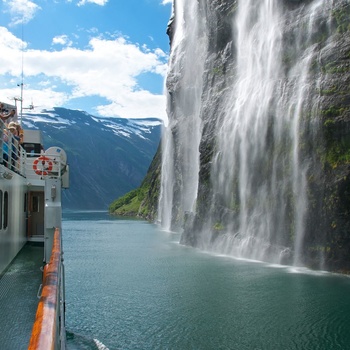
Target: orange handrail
(45, 328)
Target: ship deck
(18, 297)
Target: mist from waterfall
(259, 169)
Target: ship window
(6, 209)
(0, 209)
(32, 149)
(35, 204)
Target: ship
(32, 291)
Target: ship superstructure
(31, 180)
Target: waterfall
(245, 165)
(258, 192)
(180, 164)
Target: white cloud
(128, 105)
(48, 97)
(11, 57)
(62, 40)
(108, 69)
(9, 41)
(97, 2)
(21, 11)
(165, 2)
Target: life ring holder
(43, 160)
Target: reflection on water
(132, 286)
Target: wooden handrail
(45, 328)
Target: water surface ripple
(132, 286)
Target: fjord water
(130, 285)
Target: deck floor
(18, 298)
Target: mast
(22, 76)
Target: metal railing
(12, 155)
(31, 165)
(48, 330)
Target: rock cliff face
(256, 157)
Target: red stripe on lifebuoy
(45, 170)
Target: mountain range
(108, 157)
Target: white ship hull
(13, 216)
(31, 180)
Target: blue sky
(106, 57)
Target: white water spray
(181, 153)
(259, 170)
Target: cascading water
(258, 170)
(257, 190)
(245, 165)
(180, 165)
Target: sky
(105, 57)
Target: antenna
(30, 107)
(22, 77)
(15, 98)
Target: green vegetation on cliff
(129, 204)
(141, 202)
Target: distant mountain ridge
(108, 157)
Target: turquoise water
(130, 285)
